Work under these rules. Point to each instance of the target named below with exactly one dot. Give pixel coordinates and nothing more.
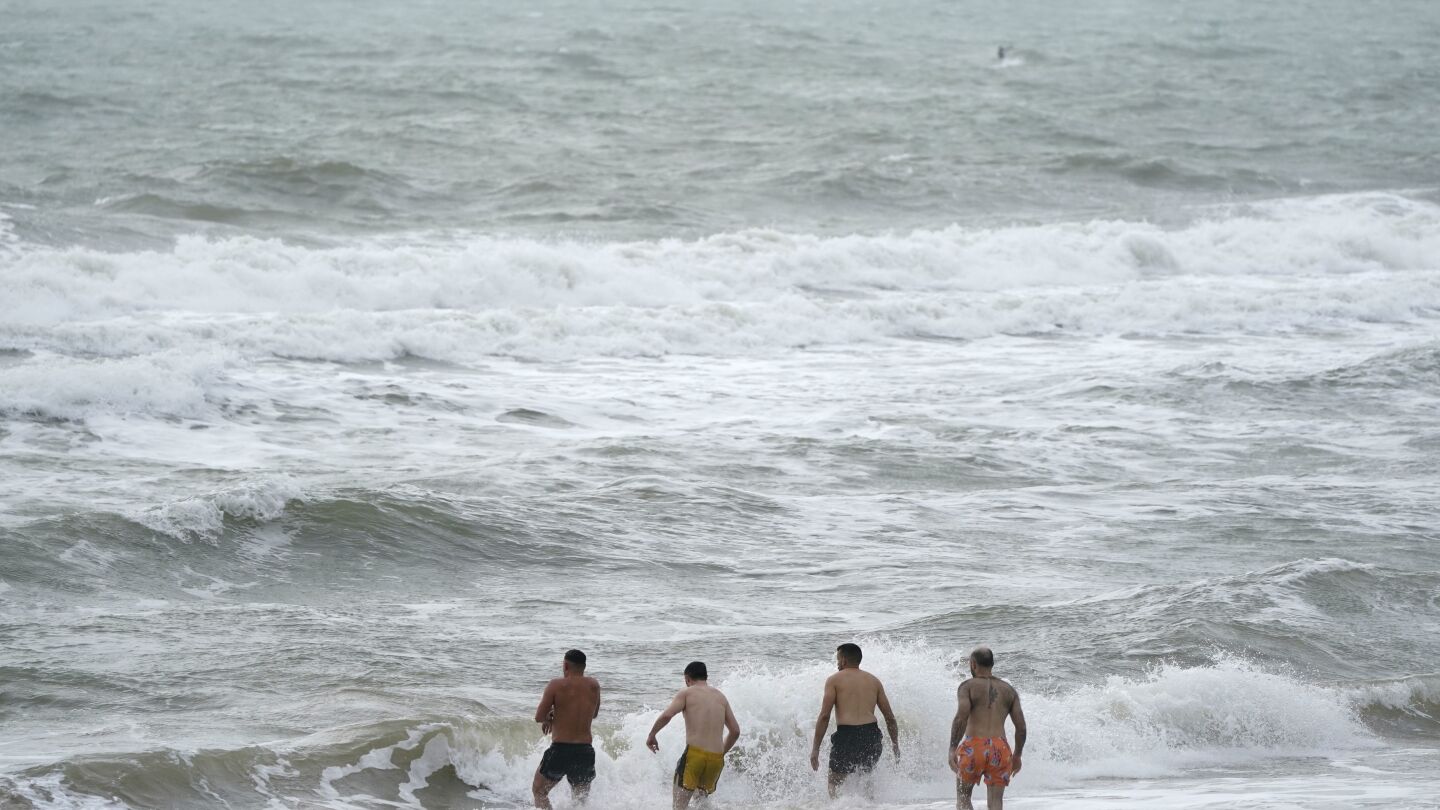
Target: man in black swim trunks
(853, 695)
(566, 709)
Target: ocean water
(359, 358)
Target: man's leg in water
(540, 789)
(580, 791)
(867, 783)
(682, 797)
(995, 796)
(962, 795)
(834, 782)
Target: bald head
(982, 657)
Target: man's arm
(597, 701)
(545, 712)
(732, 729)
(957, 726)
(1017, 716)
(827, 705)
(676, 706)
(890, 725)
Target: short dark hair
(576, 658)
(695, 670)
(850, 652)
(983, 657)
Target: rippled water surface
(357, 359)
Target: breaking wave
(1290, 265)
(1169, 719)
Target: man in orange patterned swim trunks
(984, 703)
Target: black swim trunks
(855, 748)
(574, 762)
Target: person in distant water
(984, 703)
(853, 695)
(1000, 54)
(707, 714)
(566, 710)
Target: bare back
(991, 701)
(857, 693)
(706, 710)
(575, 700)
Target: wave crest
(203, 517)
(1166, 721)
(245, 275)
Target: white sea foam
(1177, 717)
(790, 320)
(1163, 723)
(379, 758)
(1407, 695)
(203, 517)
(1320, 264)
(171, 383)
(9, 242)
(1319, 236)
(52, 793)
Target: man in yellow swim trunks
(707, 714)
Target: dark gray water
(632, 119)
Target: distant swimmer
(853, 695)
(707, 713)
(1000, 54)
(566, 710)
(984, 703)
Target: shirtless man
(566, 709)
(707, 713)
(984, 703)
(853, 694)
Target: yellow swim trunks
(699, 769)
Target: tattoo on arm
(962, 715)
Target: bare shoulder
(874, 681)
(1007, 694)
(977, 689)
(592, 683)
(554, 683)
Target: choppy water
(358, 359)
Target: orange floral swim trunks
(984, 756)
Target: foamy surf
(1296, 266)
(1300, 237)
(1169, 722)
(349, 381)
